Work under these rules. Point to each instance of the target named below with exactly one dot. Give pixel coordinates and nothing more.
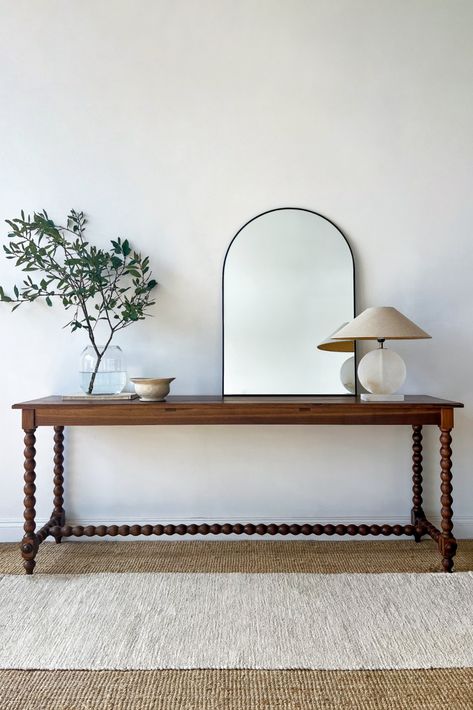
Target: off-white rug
(313, 621)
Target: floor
(432, 689)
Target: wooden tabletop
(343, 409)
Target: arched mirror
(288, 283)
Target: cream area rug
(253, 621)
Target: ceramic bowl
(152, 389)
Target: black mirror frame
(279, 209)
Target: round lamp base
(382, 371)
(347, 375)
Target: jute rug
(426, 689)
(256, 621)
(236, 556)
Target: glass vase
(105, 375)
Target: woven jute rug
(429, 689)
(236, 556)
(237, 690)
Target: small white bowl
(152, 389)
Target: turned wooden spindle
(229, 529)
(29, 544)
(58, 512)
(447, 543)
(417, 512)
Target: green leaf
(48, 301)
(3, 296)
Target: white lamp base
(382, 372)
(382, 397)
(347, 375)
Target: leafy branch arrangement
(110, 287)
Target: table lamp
(381, 371)
(347, 370)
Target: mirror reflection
(288, 283)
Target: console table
(415, 411)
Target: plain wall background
(172, 124)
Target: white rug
(155, 621)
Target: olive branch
(110, 287)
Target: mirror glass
(288, 284)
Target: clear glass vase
(105, 377)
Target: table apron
(44, 417)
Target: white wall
(173, 123)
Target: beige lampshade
(379, 323)
(337, 346)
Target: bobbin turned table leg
(29, 544)
(58, 513)
(417, 512)
(446, 542)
